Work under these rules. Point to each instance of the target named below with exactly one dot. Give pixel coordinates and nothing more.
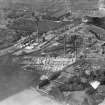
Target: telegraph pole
(64, 45)
(37, 25)
(75, 50)
(75, 47)
(37, 31)
(66, 5)
(68, 8)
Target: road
(29, 97)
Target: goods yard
(52, 52)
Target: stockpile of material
(78, 79)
